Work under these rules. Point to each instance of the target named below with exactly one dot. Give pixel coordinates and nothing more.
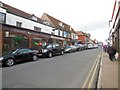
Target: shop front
(67, 42)
(14, 41)
(14, 37)
(59, 40)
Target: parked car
(18, 55)
(84, 46)
(74, 48)
(79, 47)
(50, 50)
(69, 49)
(90, 46)
(96, 46)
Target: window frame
(38, 29)
(3, 17)
(18, 24)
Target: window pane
(37, 29)
(18, 24)
(2, 17)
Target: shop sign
(28, 32)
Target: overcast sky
(90, 16)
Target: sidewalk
(109, 76)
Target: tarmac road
(64, 71)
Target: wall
(115, 12)
(1, 41)
(82, 38)
(2, 10)
(11, 20)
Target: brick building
(83, 38)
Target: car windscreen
(10, 52)
(77, 45)
(68, 47)
(47, 46)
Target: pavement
(108, 74)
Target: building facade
(74, 36)
(83, 38)
(19, 29)
(61, 29)
(115, 27)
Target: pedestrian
(111, 51)
(104, 48)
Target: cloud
(93, 26)
(100, 34)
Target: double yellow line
(88, 83)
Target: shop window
(37, 29)
(36, 43)
(15, 41)
(20, 41)
(2, 17)
(19, 24)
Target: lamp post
(85, 35)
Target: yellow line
(89, 73)
(90, 84)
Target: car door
(58, 48)
(54, 49)
(29, 53)
(22, 55)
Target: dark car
(50, 50)
(17, 55)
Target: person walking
(111, 51)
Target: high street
(64, 71)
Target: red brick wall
(82, 38)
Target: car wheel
(70, 51)
(62, 52)
(9, 62)
(34, 57)
(50, 54)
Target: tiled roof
(20, 13)
(73, 31)
(56, 23)
(79, 32)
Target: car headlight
(44, 50)
(1, 58)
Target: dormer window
(1, 5)
(61, 24)
(46, 22)
(34, 17)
